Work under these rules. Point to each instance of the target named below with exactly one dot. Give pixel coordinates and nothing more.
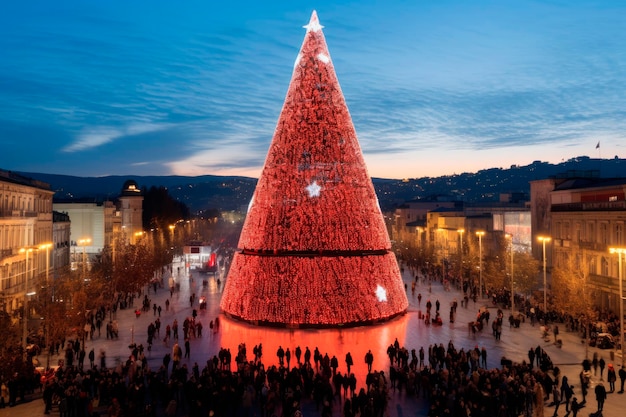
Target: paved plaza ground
(410, 331)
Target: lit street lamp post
(544, 240)
(510, 236)
(26, 251)
(620, 252)
(84, 243)
(47, 247)
(460, 232)
(480, 235)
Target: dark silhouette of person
(600, 395)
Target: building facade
(131, 211)
(586, 217)
(25, 225)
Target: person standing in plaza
(531, 356)
(567, 392)
(298, 353)
(556, 398)
(600, 395)
(92, 358)
(622, 377)
(176, 356)
(602, 364)
(187, 348)
(611, 377)
(350, 362)
(369, 360)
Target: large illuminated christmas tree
(314, 250)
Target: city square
(305, 297)
(409, 330)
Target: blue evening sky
(195, 87)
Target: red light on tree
(314, 250)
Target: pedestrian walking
(602, 364)
(600, 396)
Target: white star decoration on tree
(314, 24)
(313, 189)
(381, 293)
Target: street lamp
(26, 251)
(443, 248)
(620, 252)
(544, 240)
(84, 242)
(510, 236)
(47, 247)
(480, 235)
(460, 232)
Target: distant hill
(233, 193)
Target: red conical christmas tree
(314, 250)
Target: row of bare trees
(496, 263)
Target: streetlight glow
(510, 236)
(25, 251)
(620, 252)
(544, 240)
(84, 242)
(480, 234)
(460, 232)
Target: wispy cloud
(99, 136)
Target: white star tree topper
(314, 24)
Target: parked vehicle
(605, 341)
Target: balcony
(4, 253)
(590, 206)
(17, 213)
(597, 246)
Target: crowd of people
(452, 381)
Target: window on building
(619, 234)
(604, 233)
(592, 265)
(590, 236)
(604, 267)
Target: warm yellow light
(617, 250)
(544, 238)
(461, 231)
(480, 233)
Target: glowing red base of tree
(314, 291)
(314, 249)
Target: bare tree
(570, 285)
